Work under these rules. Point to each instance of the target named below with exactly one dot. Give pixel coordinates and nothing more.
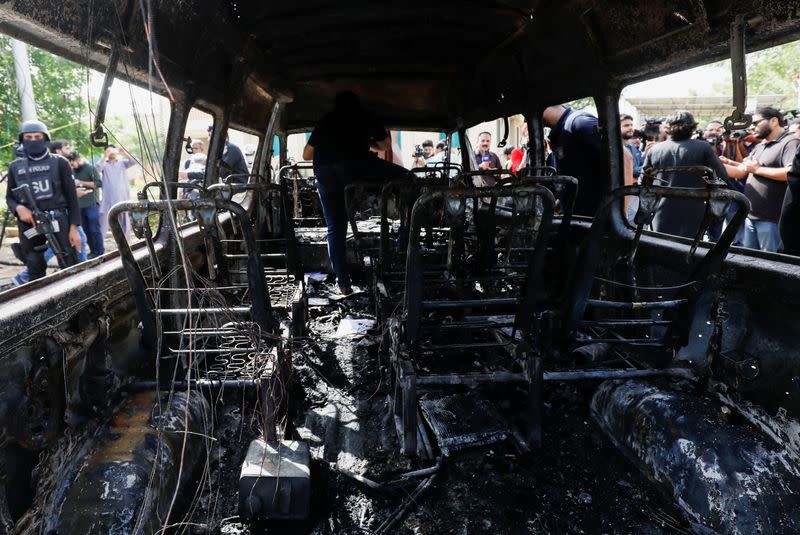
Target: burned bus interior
(505, 365)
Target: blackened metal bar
(462, 347)
(271, 240)
(467, 325)
(738, 119)
(470, 378)
(422, 472)
(622, 323)
(141, 297)
(636, 305)
(267, 271)
(216, 351)
(576, 375)
(205, 332)
(649, 342)
(262, 255)
(504, 301)
(409, 414)
(210, 310)
(218, 288)
(535, 364)
(423, 437)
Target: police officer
(49, 178)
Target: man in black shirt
(682, 217)
(790, 212)
(766, 170)
(339, 146)
(49, 178)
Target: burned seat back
(606, 301)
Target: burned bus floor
(578, 482)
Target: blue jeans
(48, 254)
(90, 221)
(738, 239)
(760, 234)
(331, 181)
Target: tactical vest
(42, 176)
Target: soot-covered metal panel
(726, 477)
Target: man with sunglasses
(766, 170)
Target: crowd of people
(760, 161)
(433, 155)
(66, 189)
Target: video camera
(418, 152)
(735, 135)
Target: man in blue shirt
(233, 162)
(577, 150)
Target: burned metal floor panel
(577, 483)
(462, 421)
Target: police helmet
(29, 127)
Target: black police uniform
(53, 188)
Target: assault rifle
(47, 226)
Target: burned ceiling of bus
(414, 63)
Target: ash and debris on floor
(576, 483)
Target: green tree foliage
(769, 72)
(581, 103)
(59, 91)
(772, 72)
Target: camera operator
(422, 153)
(713, 134)
(52, 187)
(766, 171)
(437, 156)
(654, 132)
(733, 145)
